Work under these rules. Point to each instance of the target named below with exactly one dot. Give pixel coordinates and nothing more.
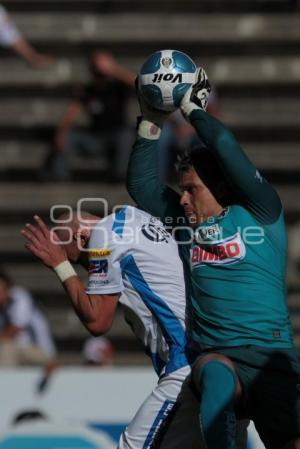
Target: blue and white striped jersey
(131, 252)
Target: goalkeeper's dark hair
(202, 159)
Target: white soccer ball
(165, 77)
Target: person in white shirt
(132, 260)
(24, 331)
(11, 37)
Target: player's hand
(43, 243)
(196, 96)
(148, 113)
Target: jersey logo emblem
(208, 232)
(222, 252)
(155, 233)
(166, 62)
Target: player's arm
(10, 36)
(143, 180)
(251, 190)
(96, 311)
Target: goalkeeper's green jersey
(235, 263)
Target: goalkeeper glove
(196, 97)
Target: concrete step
(262, 112)
(33, 198)
(31, 155)
(133, 27)
(121, 358)
(239, 112)
(40, 198)
(222, 71)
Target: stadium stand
(251, 52)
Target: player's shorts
(168, 418)
(148, 425)
(271, 390)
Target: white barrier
(78, 402)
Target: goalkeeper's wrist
(64, 271)
(148, 130)
(188, 108)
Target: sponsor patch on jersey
(93, 283)
(98, 267)
(209, 232)
(102, 252)
(222, 252)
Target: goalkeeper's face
(197, 200)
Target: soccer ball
(165, 77)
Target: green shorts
(271, 390)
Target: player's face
(197, 200)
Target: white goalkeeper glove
(196, 97)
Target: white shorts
(168, 418)
(151, 417)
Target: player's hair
(202, 159)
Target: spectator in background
(25, 338)
(98, 351)
(104, 100)
(11, 37)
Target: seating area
(251, 52)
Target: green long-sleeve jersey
(235, 263)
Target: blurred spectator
(177, 135)
(11, 37)
(25, 337)
(104, 100)
(98, 351)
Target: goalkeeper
(233, 245)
